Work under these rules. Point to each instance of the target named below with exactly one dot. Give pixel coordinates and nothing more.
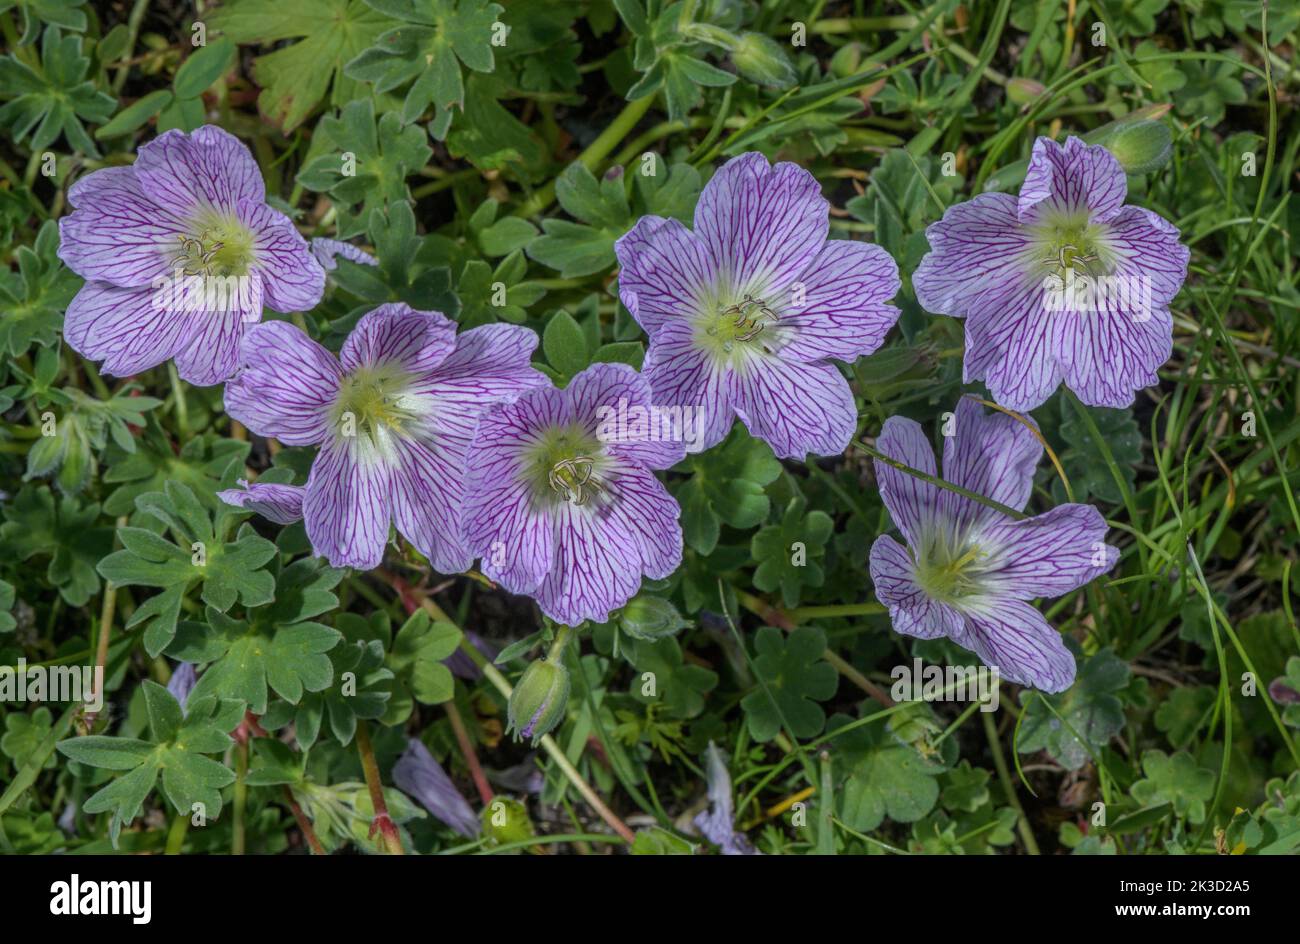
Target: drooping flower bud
(1022, 91)
(538, 701)
(1142, 146)
(649, 617)
(761, 59)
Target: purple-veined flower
(1064, 283)
(328, 252)
(563, 507)
(969, 571)
(180, 252)
(279, 503)
(745, 313)
(393, 415)
(419, 775)
(718, 822)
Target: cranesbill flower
(328, 252)
(1065, 283)
(418, 774)
(279, 503)
(745, 313)
(969, 571)
(561, 502)
(718, 822)
(180, 252)
(393, 415)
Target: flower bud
(761, 59)
(650, 618)
(538, 701)
(847, 60)
(1142, 146)
(1022, 91)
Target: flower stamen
(575, 479)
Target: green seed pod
(538, 701)
(762, 60)
(1142, 147)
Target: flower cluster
(458, 443)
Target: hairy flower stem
(1004, 775)
(304, 824)
(382, 821)
(105, 630)
(467, 751)
(237, 838)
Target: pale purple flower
(393, 415)
(279, 503)
(563, 508)
(745, 313)
(180, 252)
(969, 571)
(419, 775)
(1065, 283)
(718, 822)
(182, 682)
(327, 252)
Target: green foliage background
(501, 149)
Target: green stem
(383, 822)
(595, 153)
(1000, 762)
(176, 834)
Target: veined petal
(844, 311)
(665, 272)
(1108, 355)
(1072, 178)
(1014, 637)
(207, 167)
(911, 611)
(763, 224)
(126, 328)
(1145, 245)
(274, 502)
(328, 251)
(504, 522)
(614, 402)
(397, 334)
(795, 408)
(683, 376)
(292, 279)
(990, 454)
(1014, 348)
(1049, 554)
(488, 363)
(286, 385)
(597, 566)
(348, 504)
(911, 501)
(117, 234)
(650, 515)
(978, 255)
(428, 496)
(213, 355)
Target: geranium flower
(419, 775)
(393, 415)
(968, 570)
(563, 508)
(180, 251)
(274, 502)
(1065, 283)
(745, 313)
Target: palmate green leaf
(276, 647)
(82, 432)
(296, 78)
(1176, 780)
(385, 153)
(879, 776)
(417, 654)
(204, 463)
(726, 486)
(796, 677)
(24, 734)
(53, 98)
(607, 213)
(436, 37)
(1091, 707)
(179, 741)
(491, 137)
(200, 554)
(680, 686)
(34, 297)
(34, 523)
(789, 553)
(362, 685)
